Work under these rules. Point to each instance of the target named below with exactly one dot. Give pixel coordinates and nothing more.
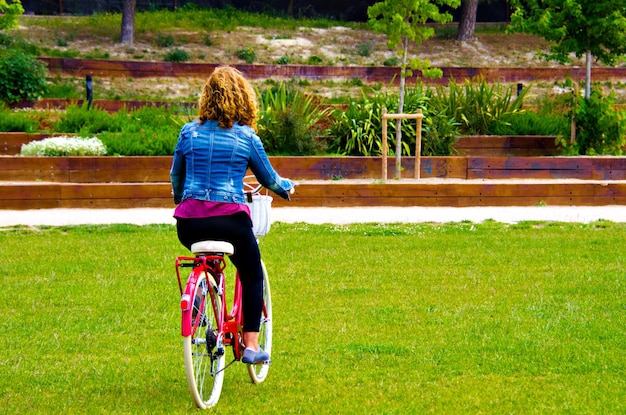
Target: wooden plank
(116, 191)
(506, 146)
(120, 169)
(596, 168)
(15, 204)
(333, 194)
(117, 203)
(536, 163)
(444, 167)
(44, 169)
(11, 142)
(31, 191)
(109, 68)
(156, 169)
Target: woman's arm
(265, 173)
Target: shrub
(391, 62)
(146, 131)
(476, 105)
(165, 41)
(86, 121)
(290, 121)
(18, 121)
(530, 123)
(17, 42)
(22, 77)
(357, 129)
(149, 131)
(364, 49)
(314, 60)
(600, 129)
(248, 55)
(177, 55)
(64, 146)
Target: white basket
(260, 212)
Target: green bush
(290, 121)
(314, 60)
(364, 49)
(600, 129)
(18, 121)
(165, 41)
(177, 55)
(146, 131)
(17, 42)
(86, 121)
(248, 55)
(22, 77)
(476, 105)
(391, 62)
(357, 129)
(530, 123)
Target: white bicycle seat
(206, 247)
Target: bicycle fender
(186, 324)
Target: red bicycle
(208, 326)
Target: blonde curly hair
(228, 97)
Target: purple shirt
(193, 208)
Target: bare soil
(335, 46)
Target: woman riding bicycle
(210, 162)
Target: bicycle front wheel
(258, 372)
(204, 348)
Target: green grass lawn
(368, 319)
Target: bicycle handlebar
(259, 186)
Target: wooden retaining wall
(126, 182)
(156, 169)
(384, 74)
(328, 194)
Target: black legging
(236, 229)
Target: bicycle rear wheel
(258, 372)
(204, 349)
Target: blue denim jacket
(210, 163)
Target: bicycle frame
(230, 324)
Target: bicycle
(207, 325)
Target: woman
(211, 158)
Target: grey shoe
(251, 357)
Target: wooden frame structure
(418, 141)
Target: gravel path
(143, 216)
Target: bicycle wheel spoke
(258, 372)
(203, 362)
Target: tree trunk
(398, 169)
(467, 25)
(587, 75)
(128, 22)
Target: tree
(580, 27)
(404, 21)
(128, 22)
(9, 14)
(467, 24)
